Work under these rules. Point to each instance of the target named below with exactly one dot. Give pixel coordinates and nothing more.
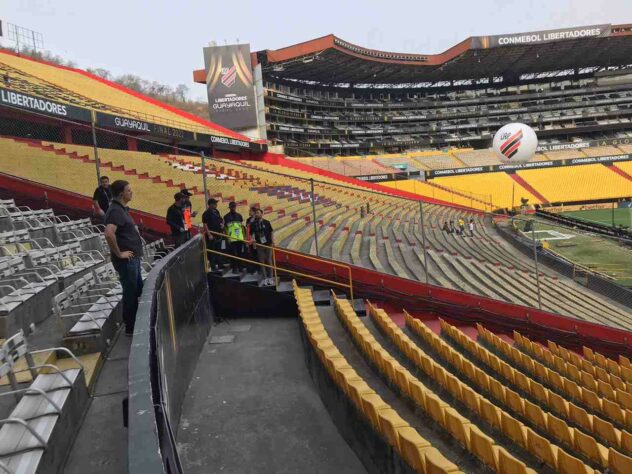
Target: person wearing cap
(187, 211)
(234, 227)
(213, 225)
(175, 220)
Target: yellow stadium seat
(497, 390)
(572, 389)
(580, 417)
(588, 381)
(355, 389)
(470, 398)
(617, 382)
(624, 399)
(435, 408)
(556, 380)
(588, 367)
(458, 426)
(605, 389)
(558, 428)
(513, 429)
(514, 401)
(567, 464)
(588, 446)
(402, 379)
(372, 403)
(522, 381)
(482, 447)
(625, 362)
(417, 393)
(613, 411)
(490, 413)
(454, 386)
(604, 430)
(540, 393)
(592, 400)
(618, 463)
(541, 371)
(435, 463)
(507, 371)
(440, 376)
(626, 441)
(507, 464)
(626, 374)
(412, 447)
(541, 448)
(390, 421)
(535, 415)
(482, 379)
(613, 367)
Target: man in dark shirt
(213, 225)
(261, 231)
(175, 220)
(102, 197)
(126, 248)
(234, 227)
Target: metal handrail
(276, 268)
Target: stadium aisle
(252, 406)
(101, 445)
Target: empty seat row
(593, 377)
(462, 430)
(39, 431)
(580, 399)
(556, 428)
(404, 439)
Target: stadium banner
(537, 37)
(126, 123)
(229, 143)
(587, 160)
(230, 86)
(378, 178)
(19, 100)
(586, 144)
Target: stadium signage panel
(126, 123)
(529, 165)
(598, 159)
(387, 176)
(37, 104)
(230, 86)
(537, 37)
(229, 142)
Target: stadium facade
(327, 96)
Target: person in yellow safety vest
(187, 211)
(234, 228)
(461, 227)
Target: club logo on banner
(511, 145)
(229, 75)
(230, 86)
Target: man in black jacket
(175, 220)
(213, 225)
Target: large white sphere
(515, 143)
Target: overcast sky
(163, 40)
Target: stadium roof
(332, 60)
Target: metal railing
(275, 267)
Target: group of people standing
(449, 227)
(249, 241)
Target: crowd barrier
(173, 321)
